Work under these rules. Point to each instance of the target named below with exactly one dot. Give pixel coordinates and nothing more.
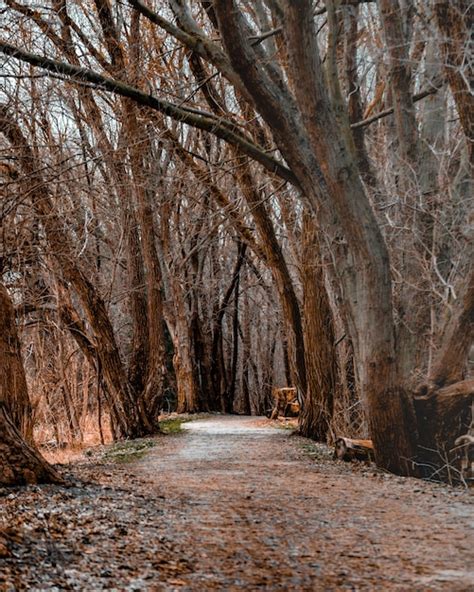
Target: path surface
(235, 504)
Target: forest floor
(232, 503)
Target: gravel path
(235, 504)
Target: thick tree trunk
(416, 174)
(451, 362)
(444, 403)
(13, 388)
(188, 394)
(20, 463)
(320, 352)
(153, 376)
(444, 416)
(400, 80)
(183, 359)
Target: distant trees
(236, 211)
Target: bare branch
(418, 97)
(220, 128)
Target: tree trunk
(235, 348)
(455, 23)
(187, 383)
(400, 80)
(354, 103)
(443, 416)
(188, 395)
(153, 375)
(20, 463)
(183, 359)
(444, 403)
(246, 407)
(217, 367)
(418, 199)
(276, 262)
(13, 388)
(451, 362)
(321, 358)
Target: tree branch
(418, 97)
(191, 37)
(220, 128)
(256, 39)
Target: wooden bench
(285, 402)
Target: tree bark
(20, 463)
(443, 417)
(400, 80)
(455, 21)
(451, 362)
(320, 352)
(354, 103)
(13, 387)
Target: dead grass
(63, 456)
(50, 435)
(64, 453)
(56, 446)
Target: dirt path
(234, 504)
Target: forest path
(235, 504)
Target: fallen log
(348, 449)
